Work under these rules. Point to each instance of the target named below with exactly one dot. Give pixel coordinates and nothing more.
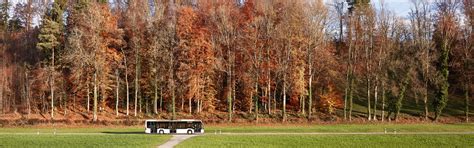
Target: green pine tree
(50, 37)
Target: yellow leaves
(329, 101)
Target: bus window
(180, 125)
(189, 125)
(162, 125)
(197, 125)
(151, 124)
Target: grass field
(389, 140)
(330, 141)
(344, 128)
(78, 137)
(134, 137)
(99, 140)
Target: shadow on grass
(125, 133)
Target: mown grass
(61, 141)
(277, 128)
(72, 130)
(343, 128)
(330, 141)
(79, 137)
(135, 137)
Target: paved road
(175, 140)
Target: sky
(401, 7)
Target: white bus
(174, 126)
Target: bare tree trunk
(27, 91)
(173, 97)
(95, 98)
(269, 95)
(351, 91)
(3, 79)
(346, 94)
(127, 87)
(230, 107)
(251, 106)
(425, 100)
(229, 97)
(155, 101)
(140, 102)
(303, 106)
(88, 97)
(284, 98)
(172, 24)
(136, 81)
(199, 105)
(368, 83)
(383, 101)
(256, 100)
(265, 93)
(147, 106)
(368, 100)
(268, 83)
(161, 99)
(52, 86)
(376, 97)
(310, 94)
(1, 90)
(233, 96)
(182, 104)
(117, 93)
(350, 70)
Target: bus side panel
(165, 131)
(183, 131)
(147, 130)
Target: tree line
(275, 57)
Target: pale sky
(401, 7)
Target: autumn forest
(235, 60)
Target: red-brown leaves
(195, 58)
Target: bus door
(172, 127)
(197, 126)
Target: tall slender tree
(50, 39)
(446, 31)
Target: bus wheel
(190, 132)
(161, 132)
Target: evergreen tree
(49, 39)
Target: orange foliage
(195, 58)
(329, 101)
